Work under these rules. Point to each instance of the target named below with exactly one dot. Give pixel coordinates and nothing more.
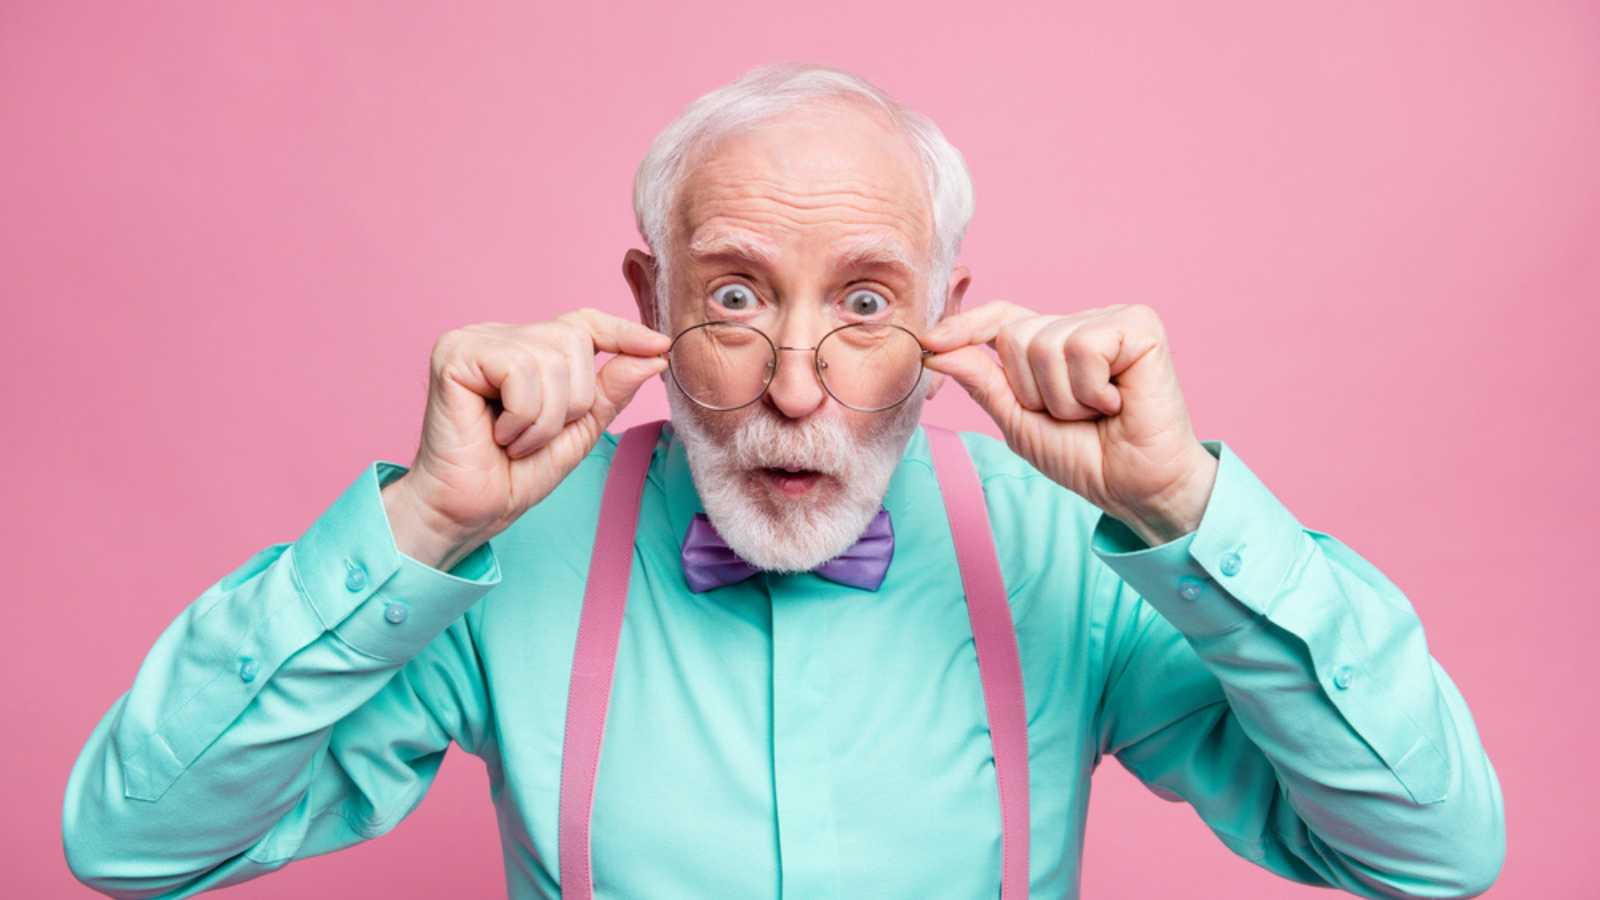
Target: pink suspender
(600, 626)
(989, 610)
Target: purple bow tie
(709, 563)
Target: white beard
(795, 537)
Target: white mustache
(822, 445)
(792, 537)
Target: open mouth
(792, 482)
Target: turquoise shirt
(791, 737)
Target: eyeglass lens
(865, 366)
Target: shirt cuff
(1225, 572)
(376, 598)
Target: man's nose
(795, 390)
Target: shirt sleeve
(1280, 684)
(302, 703)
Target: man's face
(798, 225)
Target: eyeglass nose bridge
(822, 363)
(819, 364)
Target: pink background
(230, 234)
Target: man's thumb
(619, 379)
(980, 375)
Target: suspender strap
(595, 656)
(600, 626)
(995, 636)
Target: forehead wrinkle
(747, 184)
(855, 251)
(898, 240)
(865, 203)
(723, 183)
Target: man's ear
(960, 280)
(639, 269)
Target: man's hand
(511, 410)
(1091, 400)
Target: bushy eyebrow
(875, 251)
(740, 244)
(860, 251)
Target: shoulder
(1011, 483)
(1041, 529)
(1065, 599)
(563, 523)
(994, 459)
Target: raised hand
(511, 410)
(1091, 399)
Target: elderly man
(792, 643)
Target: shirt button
(1341, 677)
(1190, 589)
(1231, 563)
(395, 612)
(355, 577)
(248, 669)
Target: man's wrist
(1178, 512)
(417, 531)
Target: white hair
(764, 92)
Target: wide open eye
(863, 302)
(736, 297)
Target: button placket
(801, 754)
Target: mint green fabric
(791, 737)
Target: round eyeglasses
(866, 366)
